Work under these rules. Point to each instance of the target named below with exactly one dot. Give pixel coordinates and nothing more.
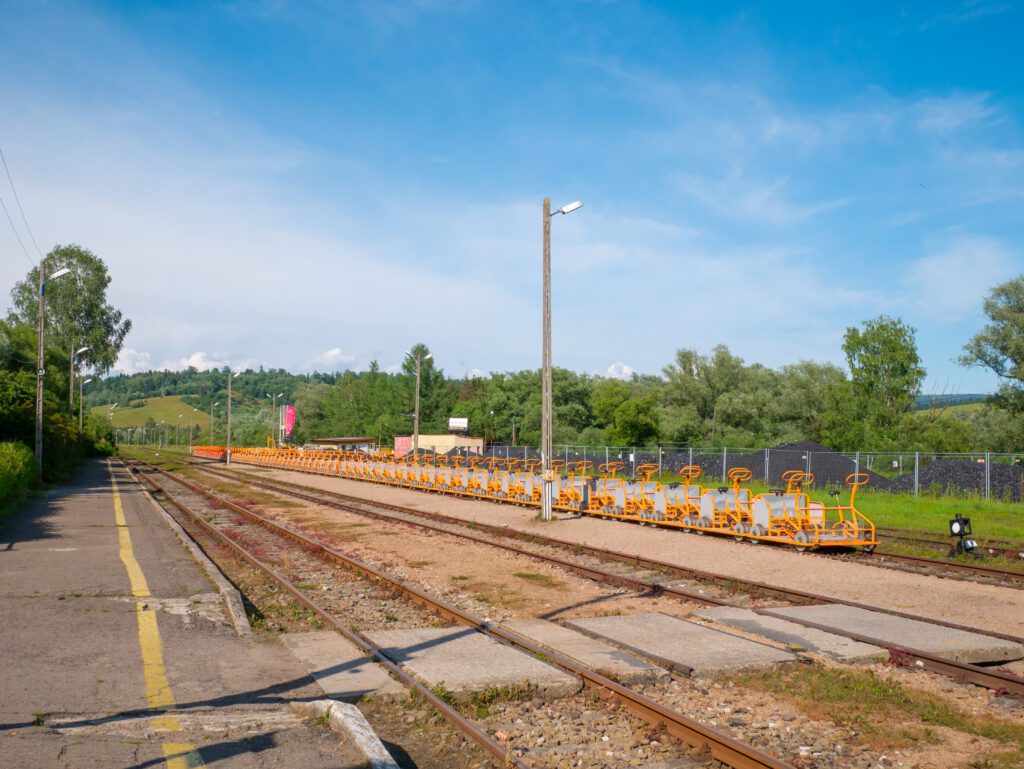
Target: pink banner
(289, 419)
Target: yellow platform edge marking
(177, 755)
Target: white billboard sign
(458, 423)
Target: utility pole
(545, 415)
(41, 364)
(81, 421)
(545, 420)
(416, 410)
(212, 408)
(227, 452)
(40, 373)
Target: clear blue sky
(315, 185)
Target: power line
(18, 201)
(15, 231)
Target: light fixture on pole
(227, 449)
(416, 410)
(71, 379)
(177, 428)
(545, 419)
(81, 384)
(277, 430)
(191, 427)
(41, 364)
(213, 407)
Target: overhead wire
(21, 210)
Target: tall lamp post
(191, 426)
(416, 410)
(227, 452)
(545, 421)
(276, 430)
(41, 364)
(213, 407)
(177, 427)
(71, 380)
(81, 384)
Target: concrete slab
(604, 658)
(959, 645)
(340, 668)
(797, 637)
(466, 661)
(683, 646)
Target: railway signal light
(961, 527)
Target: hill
(165, 408)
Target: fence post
(766, 463)
(632, 458)
(606, 455)
(690, 461)
(807, 469)
(988, 475)
(659, 460)
(917, 467)
(725, 462)
(856, 462)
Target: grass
(885, 711)
(165, 408)
(543, 580)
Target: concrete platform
(466, 661)
(606, 659)
(685, 647)
(795, 636)
(83, 692)
(959, 645)
(340, 668)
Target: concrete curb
(232, 598)
(349, 722)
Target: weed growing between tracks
(886, 712)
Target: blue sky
(316, 185)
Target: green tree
(77, 311)
(999, 346)
(868, 410)
(635, 423)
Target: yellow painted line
(177, 755)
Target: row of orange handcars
(785, 515)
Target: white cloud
(949, 283)
(131, 361)
(620, 370)
(334, 360)
(740, 197)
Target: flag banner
(289, 419)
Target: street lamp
(545, 420)
(416, 410)
(81, 384)
(191, 425)
(277, 430)
(71, 380)
(41, 365)
(227, 450)
(177, 427)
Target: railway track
(644, 575)
(935, 567)
(1011, 550)
(705, 741)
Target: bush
(17, 471)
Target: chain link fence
(985, 475)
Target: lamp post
(191, 426)
(227, 451)
(416, 410)
(41, 365)
(212, 408)
(71, 380)
(545, 420)
(81, 384)
(177, 428)
(274, 415)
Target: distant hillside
(940, 401)
(166, 408)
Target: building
(346, 444)
(439, 444)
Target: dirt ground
(987, 607)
